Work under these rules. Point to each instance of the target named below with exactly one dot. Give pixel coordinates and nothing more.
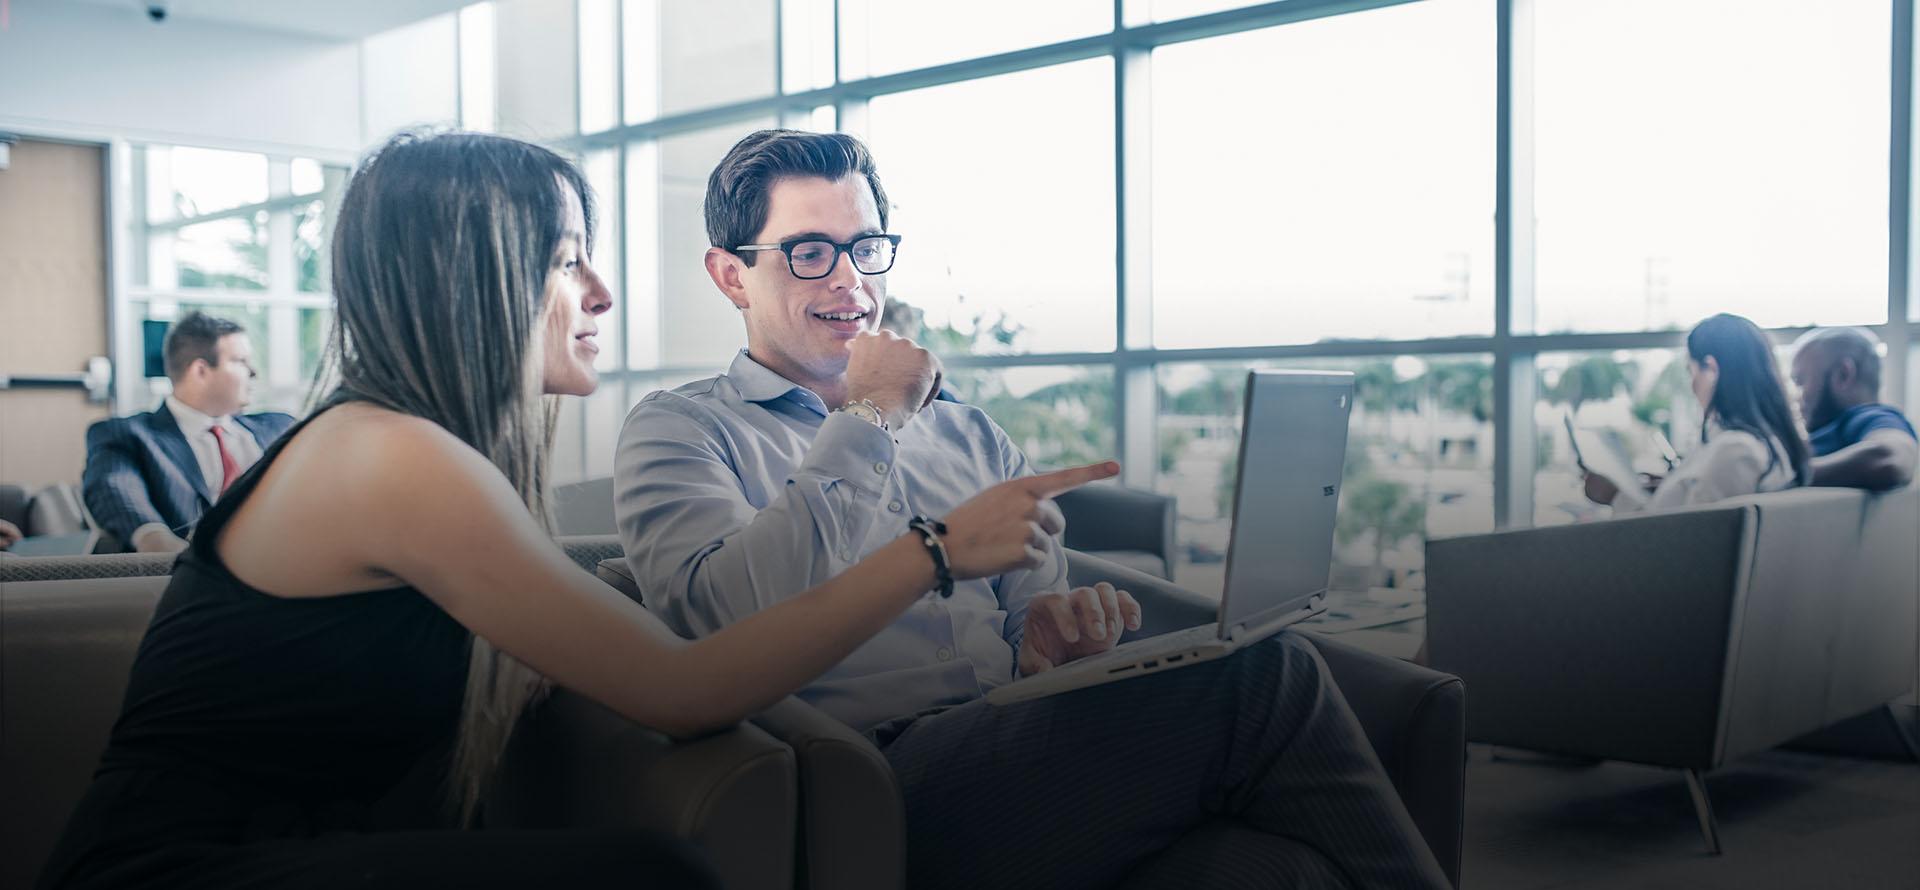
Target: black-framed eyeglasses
(810, 258)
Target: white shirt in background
(1729, 464)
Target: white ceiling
(337, 19)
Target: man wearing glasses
(821, 443)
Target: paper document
(1602, 455)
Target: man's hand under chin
(1064, 626)
(894, 373)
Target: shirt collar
(759, 383)
(191, 420)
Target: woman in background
(378, 599)
(1749, 442)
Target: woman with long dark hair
(1749, 441)
(378, 598)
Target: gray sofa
(852, 831)
(1684, 639)
(66, 647)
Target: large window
(1638, 401)
(1003, 193)
(886, 36)
(1419, 462)
(1738, 163)
(1326, 180)
(242, 236)
(1106, 224)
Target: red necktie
(229, 468)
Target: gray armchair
(66, 647)
(852, 827)
(1683, 639)
(1126, 526)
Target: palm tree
(1592, 379)
(1380, 507)
(1464, 387)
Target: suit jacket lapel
(174, 442)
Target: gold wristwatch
(866, 410)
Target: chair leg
(1703, 810)
(1900, 729)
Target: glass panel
(605, 412)
(1739, 164)
(806, 45)
(310, 264)
(1626, 396)
(223, 253)
(184, 181)
(567, 460)
(676, 317)
(307, 176)
(885, 36)
(603, 176)
(477, 48)
(967, 257)
(1059, 416)
(1168, 10)
(1419, 463)
(315, 325)
(678, 58)
(1356, 204)
(599, 64)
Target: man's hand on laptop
(1064, 626)
(893, 373)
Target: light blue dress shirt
(736, 492)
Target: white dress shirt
(739, 491)
(198, 428)
(1729, 464)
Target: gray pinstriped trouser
(1088, 788)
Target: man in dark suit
(150, 476)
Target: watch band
(931, 531)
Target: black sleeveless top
(252, 717)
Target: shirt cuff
(853, 450)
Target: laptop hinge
(1280, 618)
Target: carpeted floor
(1786, 819)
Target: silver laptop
(1293, 449)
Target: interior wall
(412, 78)
(83, 71)
(53, 295)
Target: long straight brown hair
(440, 258)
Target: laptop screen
(1293, 450)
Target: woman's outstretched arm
(457, 531)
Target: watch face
(865, 412)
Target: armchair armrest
(576, 764)
(853, 824)
(1416, 720)
(853, 821)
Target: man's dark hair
(737, 191)
(197, 336)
